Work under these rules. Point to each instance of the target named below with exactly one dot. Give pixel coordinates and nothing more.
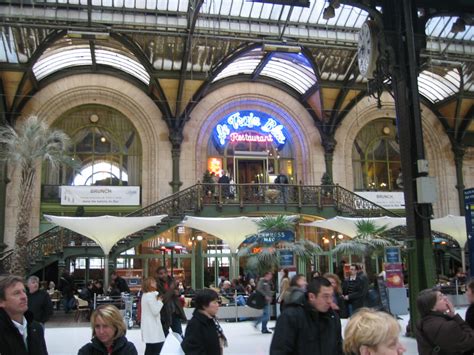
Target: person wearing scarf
(204, 335)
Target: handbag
(256, 300)
(172, 345)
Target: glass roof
(441, 27)
(308, 15)
(436, 87)
(293, 69)
(72, 55)
(172, 5)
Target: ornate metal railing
(175, 205)
(319, 196)
(192, 199)
(48, 243)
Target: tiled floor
(64, 337)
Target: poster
(394, 275)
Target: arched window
(107, 145)
(376, 157)
(101, 173)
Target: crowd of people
(309, 320)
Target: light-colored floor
(242, 336)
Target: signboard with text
(469, 215)
(250, 126)
(286, 258)
(100, 195)
(389, 199)
(392, 254)
(268, 238)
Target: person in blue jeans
(66, 286)
(264, 286)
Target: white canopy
(106, 231)
(455, 226)
(232, 230)
(348, 226)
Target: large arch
(72, 91)
(305, 137)
(437, 149)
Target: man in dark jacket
(39, 302)
(264, 286)
(66, 286)
(120, 283)
(19, 333)
(355, 289)
(308, 325)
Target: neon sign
(250, 126)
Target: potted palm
(24, 147)
(268, 255)
(370, 240)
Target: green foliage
(369, 239)
(269, 256)
(207, 178)
(279, 223)
(31, 142)
(34, 141)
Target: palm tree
(32, 142)
(268, 257)
(370, 239)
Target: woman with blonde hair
(371, 332)
(151, 305)
(108, 334)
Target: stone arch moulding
(305, 137)
(69, 92)
(437, 147)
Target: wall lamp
(88, 35)
(268, 47)
(459, 26)
(329, 12)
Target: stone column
(329, 144)
(3, 192)
(176, 138)
(459, 151)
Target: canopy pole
(463, 259)
(106, 272)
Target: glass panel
(60, 59)
(122, 62)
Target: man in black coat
(20, 334)
(119, 283)
(225, 180)
(39, 302)
(66, 286)
(308, 325)
(355, 289)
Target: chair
(56, 299)
(82, 310)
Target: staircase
(204, 200)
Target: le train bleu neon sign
(248, 126)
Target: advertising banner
(394, 275)
(100, 195)
(388, 200)
(469, 214)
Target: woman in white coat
(152, 331)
